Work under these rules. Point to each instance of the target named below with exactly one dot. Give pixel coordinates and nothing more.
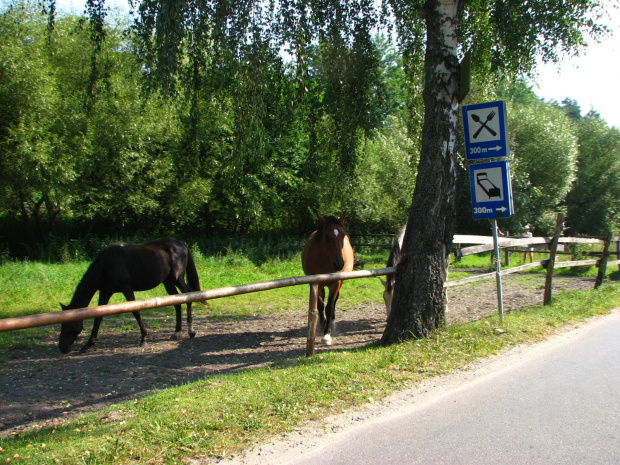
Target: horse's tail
(192, 275)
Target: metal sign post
(498, 272)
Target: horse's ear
(64, 307)
(342, 218)
(322, 219)
(383, 282)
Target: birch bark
(419, 297)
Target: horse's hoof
(175, 336)
(327, 340)
(143, 344)
(192, 335)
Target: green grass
(224, 414)
(32, 287)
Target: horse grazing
(127, 268)
(396, 256)
(328, 250)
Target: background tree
(503, 37)
(593, 204)
(257, 112)
(544, 148)
(37, 150)
(73, 147)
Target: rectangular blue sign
(484, 126)
(491, 190)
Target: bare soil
(41, 387)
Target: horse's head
(388, 292)
(332, 234)
(69, 332)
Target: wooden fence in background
(476, 244)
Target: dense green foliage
(593, 204)
(248, 139)
(234, 152)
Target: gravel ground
(41, 387)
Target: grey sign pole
(498, 274)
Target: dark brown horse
(127, 268)
(328, 250)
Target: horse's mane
(396, 254)
(88, 285)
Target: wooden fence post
(553, 247)
(602, 265)
(313, 316)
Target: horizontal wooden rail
(516, 269)
(485, 243)
(65, 316)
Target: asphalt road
(560, 405)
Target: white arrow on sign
(496, 148)
(501, 209)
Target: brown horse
(328, 250)
(127, 268)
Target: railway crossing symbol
(491, 190)
(485, 131)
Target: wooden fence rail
(484, 243)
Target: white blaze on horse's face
(334, 246)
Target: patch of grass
(222, 415)
(33, 287)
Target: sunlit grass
(33, 287)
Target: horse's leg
(182, 285)
(190, 328)
(320, 304)
(330, 311)
(143, 330)
(93, 335)
(172, 290)
(104, 298)
(129, 295)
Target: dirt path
(41, 387)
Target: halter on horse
(127, 268)
(328, 250)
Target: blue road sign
(491, 190)
(485, 131)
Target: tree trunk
(419, 301)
